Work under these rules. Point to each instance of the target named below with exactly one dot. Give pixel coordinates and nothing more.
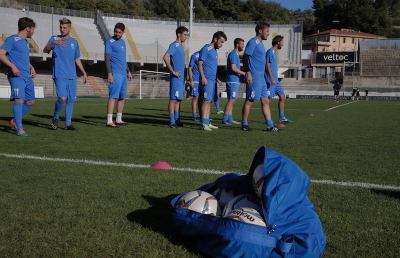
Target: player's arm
(237, 70)
(107, 59)
(190, 72)
(4, 59)
(128, 72)
(32, 71)
(246, 66)
(269, 71)
(80, 67)
(52, 43)
(201, 70)
(167, 61)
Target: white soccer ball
(223, 196)
(247, 215)
(258, 180)
(241, 201)
(199, 201)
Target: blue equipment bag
(293, 227)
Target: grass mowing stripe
(194, 170)
(345, 104)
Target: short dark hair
(25, 22)
(261, 26)
(276, 40)
(237, 41)
(181, 30)
(65, 21)
(120, 26)
(219, 34)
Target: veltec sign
(334, 57)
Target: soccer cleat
(226, 122)
(213, 126)
(21, 132)
(272, 129)
(122, 123)
(246, 128)
(236, 122)
(12, 124)
(172, 126)
(54, 123)
(220, 112)
(207, 128)
(285, 120)
(179, 124)
(70, 128)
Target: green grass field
(61, 209)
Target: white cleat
(220, 112)
(213, 126)
(236, 123)
(207, 128)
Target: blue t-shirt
(273, 61)
(177, 54)
(233, 58)
(256, 51)
(64, 57)
(209, 56)
(117, 51)
(194, 61)
(17, 49)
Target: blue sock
(245, 123)
(68, 113)
(281, 114)
(206, 121)
(25, 109)
(17, 109)
(216, 103)
(269, 123)
(230, 118)
(171, 119)
(194, 115)
(226, 118)
(177, 118)
(57, 109)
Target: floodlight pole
(190, 25)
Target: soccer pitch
(64, 208)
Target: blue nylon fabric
(293, 226)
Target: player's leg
(29, 96)
(216, 101)
(121, 101)
(208, 96)
(266, 98)
(195, 94)
(18, 96)
(113, 95)
(177, 113)
(69, 107)
(61, 91)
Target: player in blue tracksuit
(233, 80)
(14, 54)
(256, 89)
(194, 78)
(208, 65)
(271, 77)
(65, 56)
(118, 75)
(174, 59)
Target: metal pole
(190, 26)
(157, 55)
(52, 21)
(140, 84)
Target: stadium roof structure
(348, 33)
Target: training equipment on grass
(162, 165)
(247, 215)
(199, 201)
(281, 126)
(241, 201)
(292, 227)
(223, 196)
(312, 115)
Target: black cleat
(272, 129)
(70, 128)
(179, 124)
(246, 128)
(54, 124)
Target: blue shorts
(117, 89)
(276, 90)
(176, 88)
(195, 90)
(66, 88)
(209, 91)
(257, 90)
(22, 88)
(232, 90)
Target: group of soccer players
(260, 73)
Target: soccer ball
(223, 196)
(258, 180)
(241, 201)
(247, 215)
(199, 201)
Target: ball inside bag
(258, 180)
(223, 196)
(199, 201)
(247, 215)
(241, 201)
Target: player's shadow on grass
(25, 122)
(75, 119)
(389, 193)
(158, 218)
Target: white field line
(193, 170)
(342, 105)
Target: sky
(295, 4)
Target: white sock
(119, 118)
(109, 118)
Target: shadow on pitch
(24, 122)
(158, 219)
(389, 193)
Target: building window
(353, 40)
(344, 40)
